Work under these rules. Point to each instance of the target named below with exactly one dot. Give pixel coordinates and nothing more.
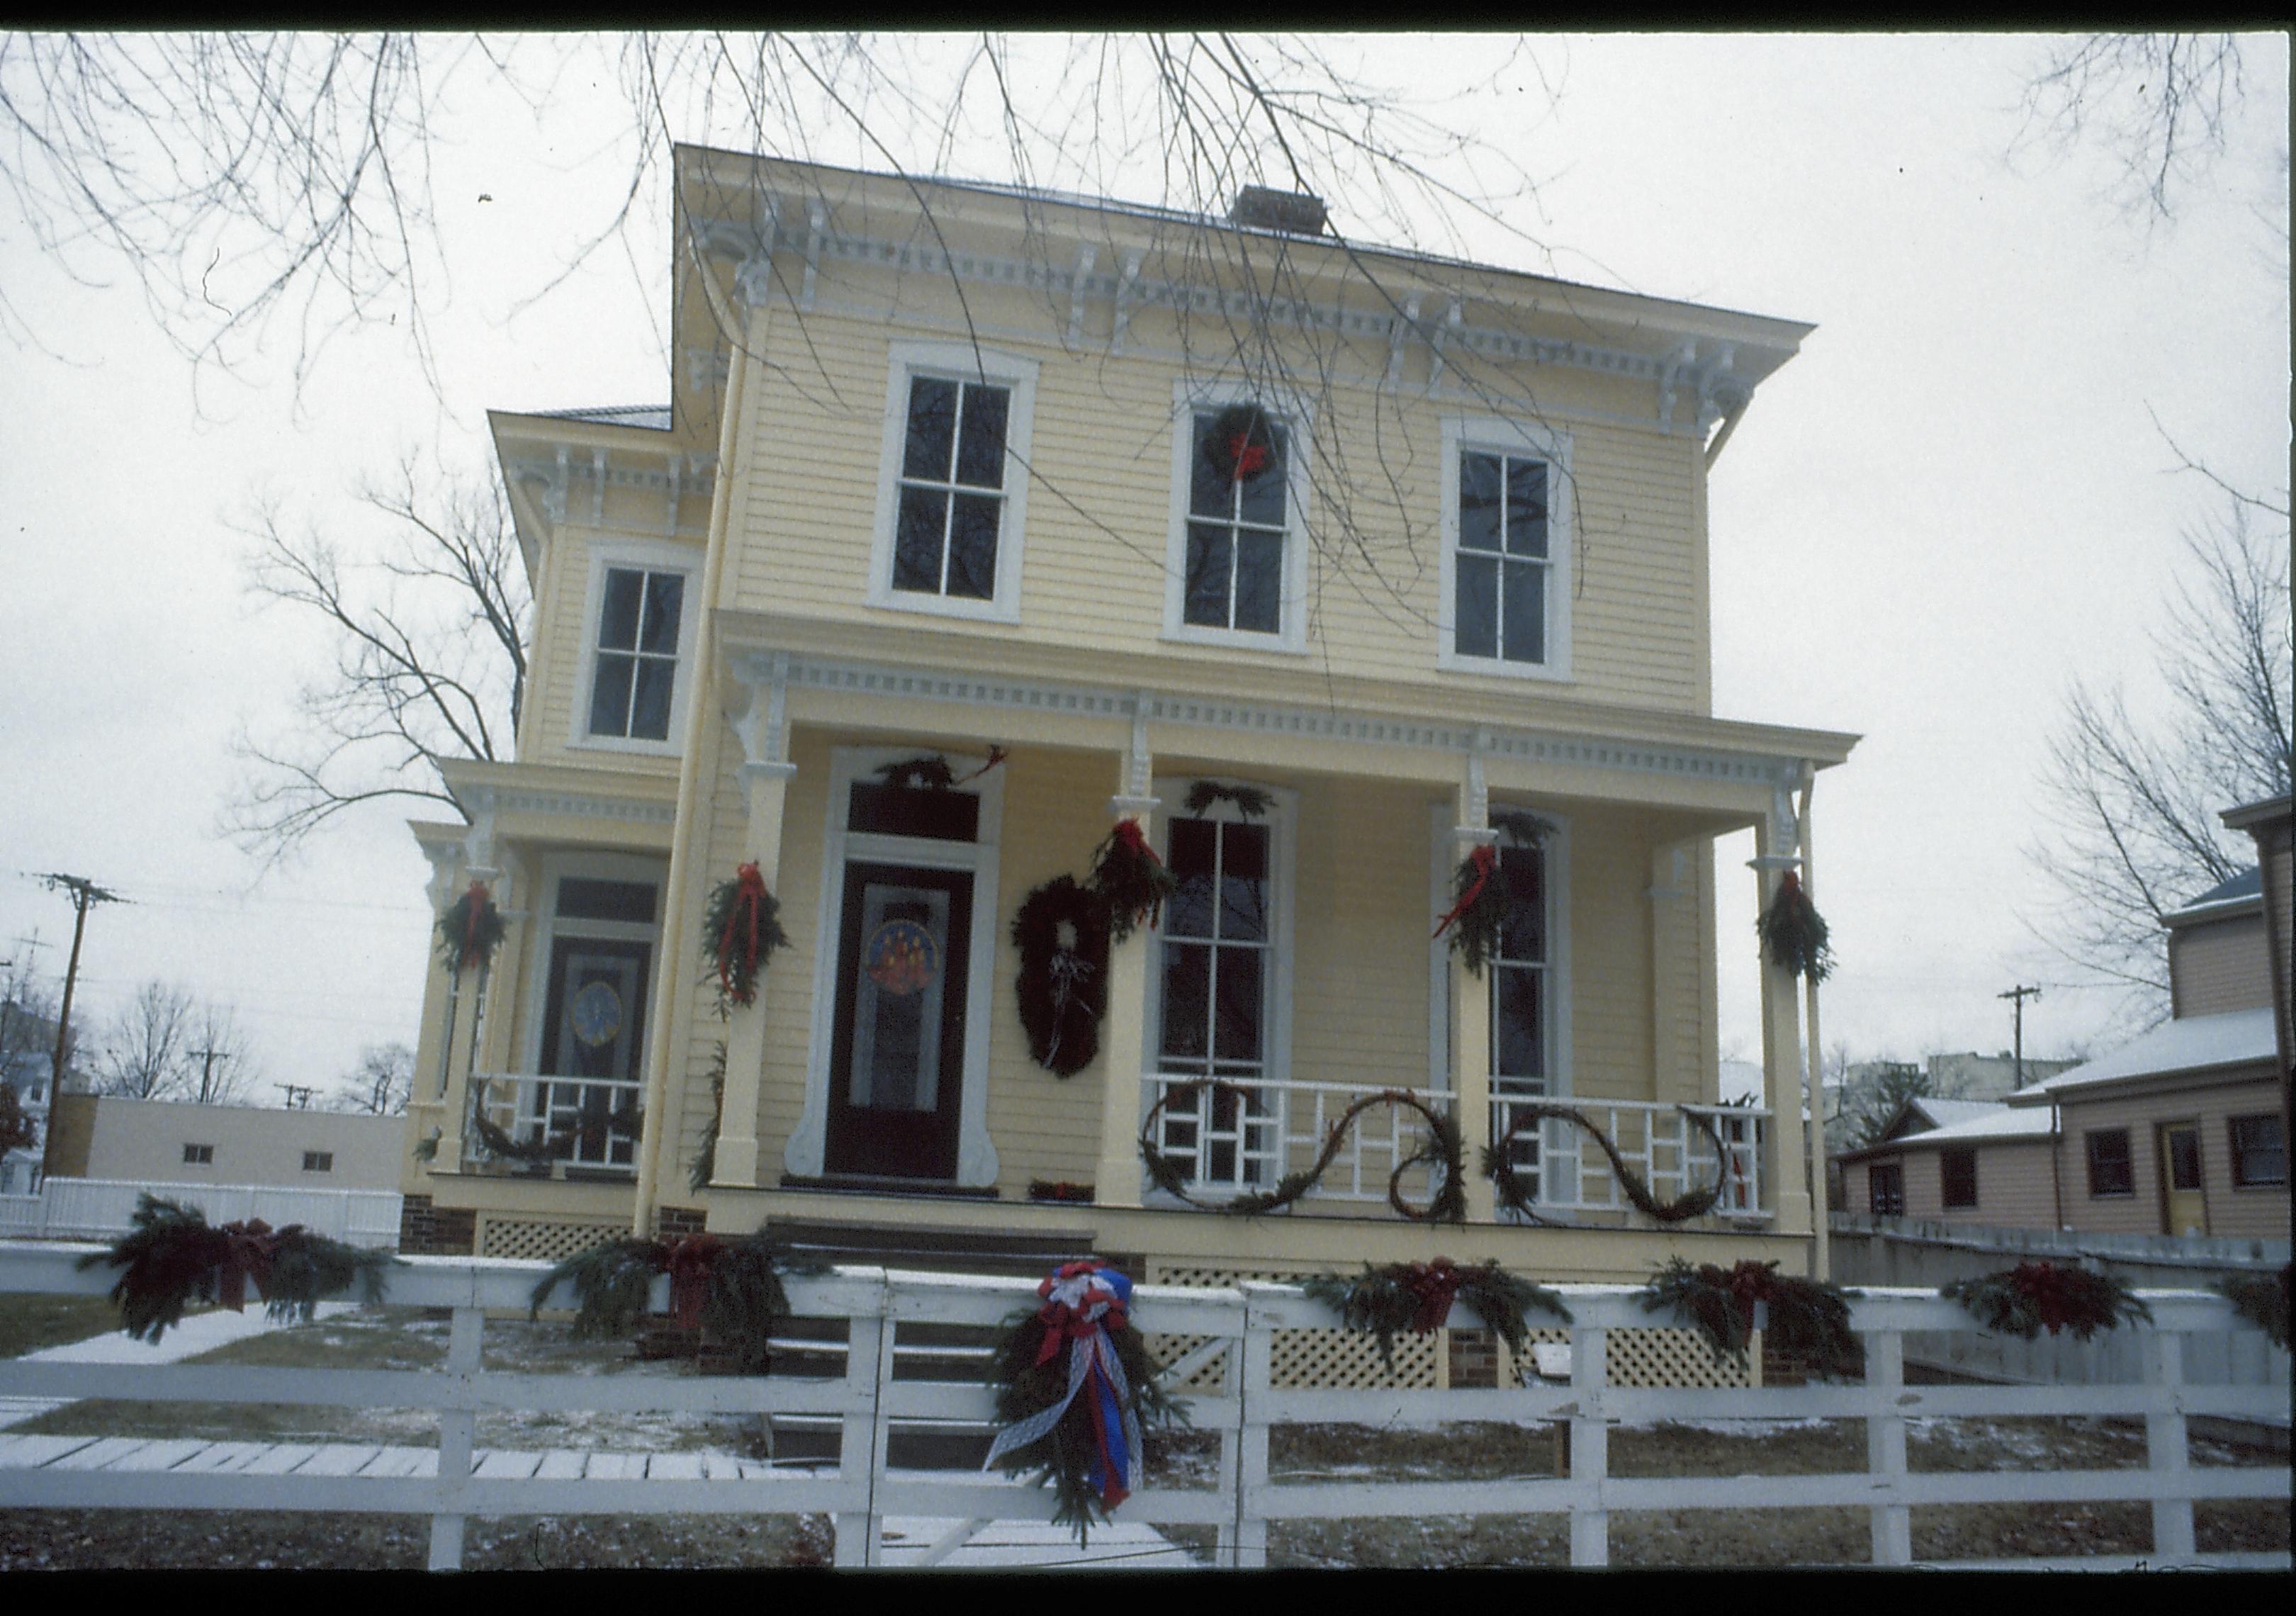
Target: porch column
(1821, 1256)
(1117, 1178)
(429, 1105)
(467, 997)
(765, 782)
(1775, 838)
(1470, 1013)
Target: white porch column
(1470, 1013)
(1782, 1051)
(1124, 1043)
(468, 996)
(766, 775)
(1821, 1252)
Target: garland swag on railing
(731, 1290)
(1131, 879)
(2262, 1299)
(1441, 1152)
(470, 931)
(741, 929)
(172, 1257)
(1806, 1318)
(2032, 1296)
(496, 1144)
(1418, 1297)
(1514, 1196)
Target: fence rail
(95, 1208)
(888, 1315)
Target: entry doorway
(2183, 1203)
(897, 1060)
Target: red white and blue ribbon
(1084, 1301)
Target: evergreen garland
(1418, 1297)
(1241, 442)
(2262, 1299)
(172, 1257)
(740, 931)
(705, 1160)
(1794, 933)
(1128, 877)
(2032, 1296)
(470, 931)
(1441, 1154)
(1062, 934)
(494, 1143)
(1808, 1319)
(925, 772)
(1481, 910)
(731, 1289)
(1514, 1196)
(1046, 1189)
(1249, 800)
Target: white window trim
(638, 555)
(1281, 820)
(1442, 983)
(548, 929)
(1493, 435)
(956, 361)
(977, 1163)
(1291, 615)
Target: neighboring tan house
(2183, 1131)
(956, 488)
(170, 1142)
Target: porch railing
(586, 1122)
(1668, 1147)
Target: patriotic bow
(1084, 1301)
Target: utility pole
(299, 1094)
(2020, 994)
(85, 895)
(208, 1058)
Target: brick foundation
(428, 1230)
(676, 1222)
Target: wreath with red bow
(1808, 1319)
(1478, 919)
(470, 931)
(2032, 1296)
(1131, 880)
(172, 1257)
(740, 929)
(1418, 1297)
(1061, 932)
(1241, 442)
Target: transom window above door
(954, 482)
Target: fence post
(456, 1428)
(2166, 1452)
(863, 1434)
(1258, 1374)
(1590, 1447)
(1885, 1445)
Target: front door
(593, 1024)
(896, 1071)
(2184, 1206)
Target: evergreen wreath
(1514, 1196)
(1128, 877)
(1794, 933)
(741, 929)
(2032, 1296)
(1418, 1297)
(1440, 1152)
(1241, 442)
(2262, 1299)
(731, 1290)
(470, 931)
(172, 1257)
(1807, 1319)
(1062, 1413)
(1249, 800)
(1062, 933)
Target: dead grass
(30, 1323)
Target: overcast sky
(1953, 503)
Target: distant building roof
(653, 416)
(1948, 1113)
(2248, 884)
(2193, 1043)
(1981, 1122)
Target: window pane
(1263, 491)
(2109, 1168)
(917, 540)
(1525, 514)
(1207, 584)
(580, 897)
(898, 810)
(1478, 501)
(2184, 1158)
(1519, 1033)
(2258, 1155)
(1237, 1036)
(1478, 612)
(664, 596)
(610, 697)
(1522, 923)
(1243, 883)
(980, 441)
(1526, 612)
(932, 428)
(972, 546)
(650, 705)
(618, 624)
(1189, 912)
(1187, 1000)
(1259, 581)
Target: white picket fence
(99, 1209)
(885, 1309)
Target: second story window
(1238, 514)
(953, 491)
(635, 677)
(1506, 557)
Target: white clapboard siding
(867, 1401)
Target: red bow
(689, 1263)
(749, 899)
(996, 755)
(1064, 1322)
(1486, 859)
(1434, 1283)
(1134, 840)
(1251, 458)
(248, 1251)
(2050, 1289)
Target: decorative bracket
(1077, 288)
(597, 487)
(1123, 302)
(816, 219)
(762, 724)
(1441, 340)
(1139, 763)
(1398, 333)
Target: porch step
(1028, 1254)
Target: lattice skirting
(541, 1240)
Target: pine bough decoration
(1441, 1154)
(742, 929)
(2032, 1296)
(731, 1290)
(1062, 933)
(1808, 1319)
(2262, 1299)
(1248, 800)
(928, 772)
(470, 931)
(1418, 1297)
(1074, 1386)
(1475, 919)
(172, 1257)
(1128, 877)
(1794, 933)
(1514, 1196)
(705, 1160)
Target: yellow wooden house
(952, 475)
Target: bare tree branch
(2158, 104)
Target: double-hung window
(954, 481)
(1505, 550)
(1957, 1176)
(1236, 567)
(634, 669)
(2111, 1171)
(2260, 1153)
(1885, 1189)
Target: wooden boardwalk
(191, 1456)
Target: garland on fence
(1447, 1204)
(731, 1290)
(172, 1257)
(2262, 1299)
(1075, 1416)
(1128, 877)
(1046, 1189)
(705, 1160)
(1807, 1318)
(1062, 933)
(1514, 1196)
(2032, 1296)
(470, 931)
(1794, 933)
(1249, 800)
(1418, 1297)
(742, 929)
(1241, 442)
